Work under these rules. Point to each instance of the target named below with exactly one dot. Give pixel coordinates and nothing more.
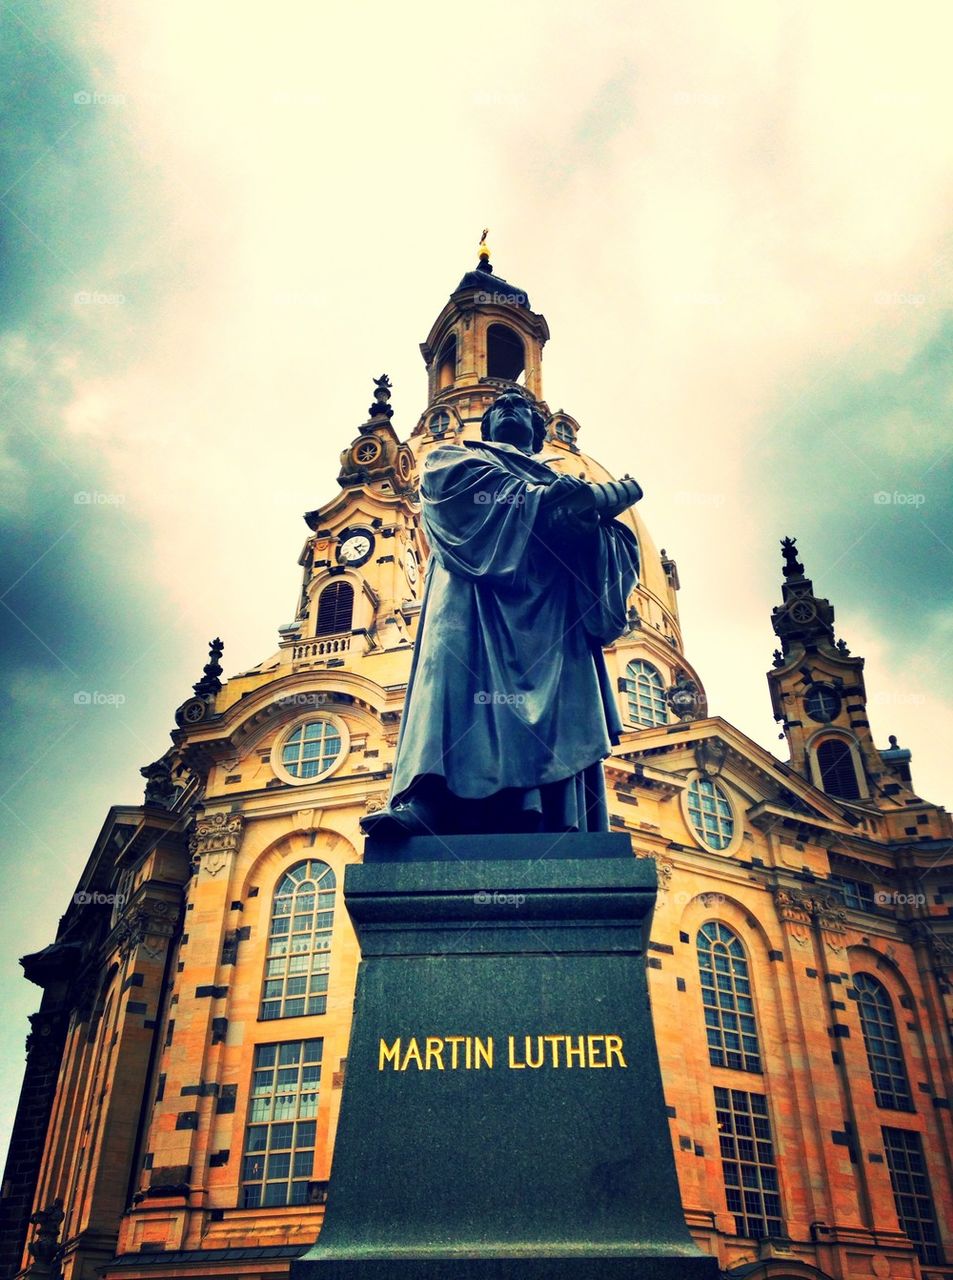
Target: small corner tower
(818, 693)
(361, 564)
(820, 698)
(486, 337)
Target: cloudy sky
(220, 221)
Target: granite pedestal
(502, 1116)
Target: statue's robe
(508, 694)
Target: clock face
(410, 562)
(355, 548)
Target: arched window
(710, 811)
(335, 608)
(726, 997)
(645, 691)
(884, 1053)
(835, 760)
(439, 423)
(563, 431)
(505, 357)
(299, 943)
(447, 363)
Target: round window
(311, 749)
(710, 812)
(822, 703)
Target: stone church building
(185, 1068)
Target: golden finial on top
(484, 250)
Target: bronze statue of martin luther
(509, 711)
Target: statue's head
(513, 418)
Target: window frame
(725, 851)
(630, 693)
(930, 1252)
(281, 741)
(286, 972)
(825, 734)
(750, 1061)
(732, 1151)
(303, 1116)
(895, 1100)
(337, 585)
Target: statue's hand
(566, 491)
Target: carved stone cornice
(826, 909)
(794, 907)
(150, 924)
(664, 866)
(44, 1044)
(213, 838)
(941, 952)
(939, 946)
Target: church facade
(186, 1064)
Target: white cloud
(706, 201)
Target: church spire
(803, 622)
(376, 457)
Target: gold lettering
(614, 1049)
(435, 1052)
(391, 1055)
(468, 1045)
(514, 1065)
(413, 1051)
(594, 1045)
(534, 1061)
(579, 1053)
(454, 1042)
(484, 1051)
(554, 1044)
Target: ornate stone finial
(842, 649)
(893, 742)
(685, 698)
(381, 408)
(45, 1247)
(483, 261)
(210, 682)
(792, 566)
(160, 789)
(710, 756)
(778, 658)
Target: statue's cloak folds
(508, 687)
